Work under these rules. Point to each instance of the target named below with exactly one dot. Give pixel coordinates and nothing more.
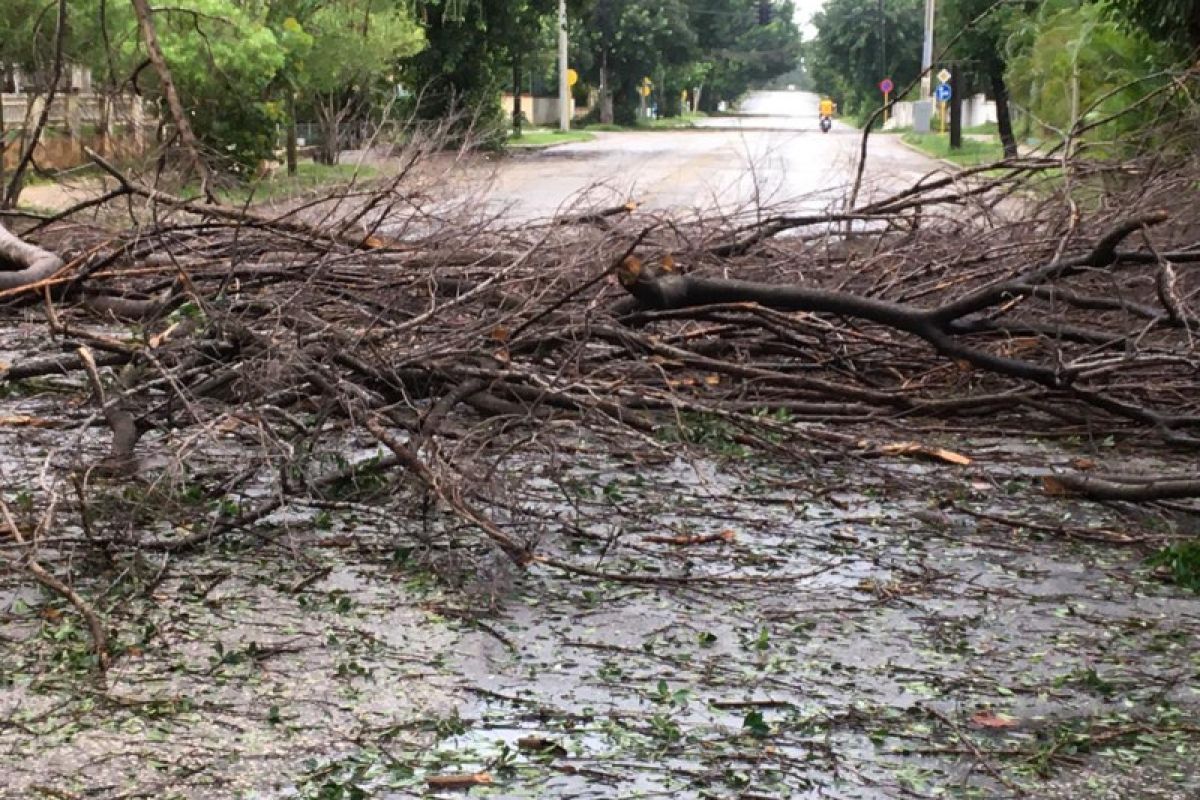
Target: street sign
(944, 76)
(572, 77)
(886, 85)
(942, 93)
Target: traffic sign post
(942, 94)
(886, 86)
(644, 93)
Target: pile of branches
(411, 341)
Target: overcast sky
(804, 11)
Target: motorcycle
(826, 124)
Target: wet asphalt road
(772, 153)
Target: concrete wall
(977, 110)
(540, 111)
(72, 124)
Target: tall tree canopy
(714, 48)
(230, 59)
(1074, 62)
(469, 47)
(631, 40)
(744, 44)
(861, 42)
(1173, 21)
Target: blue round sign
(942, 93)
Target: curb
(944, 161)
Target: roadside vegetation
(538, 137)
(279, 185)
(248, 73)
(971, 153)
(979, 146)
(1060, 71)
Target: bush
(240, 133)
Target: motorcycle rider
(825, 113)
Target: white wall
(977, 110)
(538, 110)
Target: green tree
(743, 43)
(1073, 64)
(631, 40)
(342, 55)
(1174, 21)
(470, 49)
(979, 30)
(859, 42)
(222, 56)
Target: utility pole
(564, 90)
(927, 50)
(883, 65)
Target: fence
(76, 120)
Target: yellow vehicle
(825, 112)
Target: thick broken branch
(33, 263)
(1139, 491)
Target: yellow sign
(647, 85)
(572, 77)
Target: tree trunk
(103, 123)
(1003, 117)
(291, 131)
(330, 119)
(3, 132)
(150, 37)
(606, 101)
(516, 116)
(955, 110)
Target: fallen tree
(375, 326)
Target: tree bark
(291, 131)
(606, 101)
(944, 328)
(516, 117)
(1003, 117)
(34, 264)
(1101, 488)
(956, 104)
(154, 51)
